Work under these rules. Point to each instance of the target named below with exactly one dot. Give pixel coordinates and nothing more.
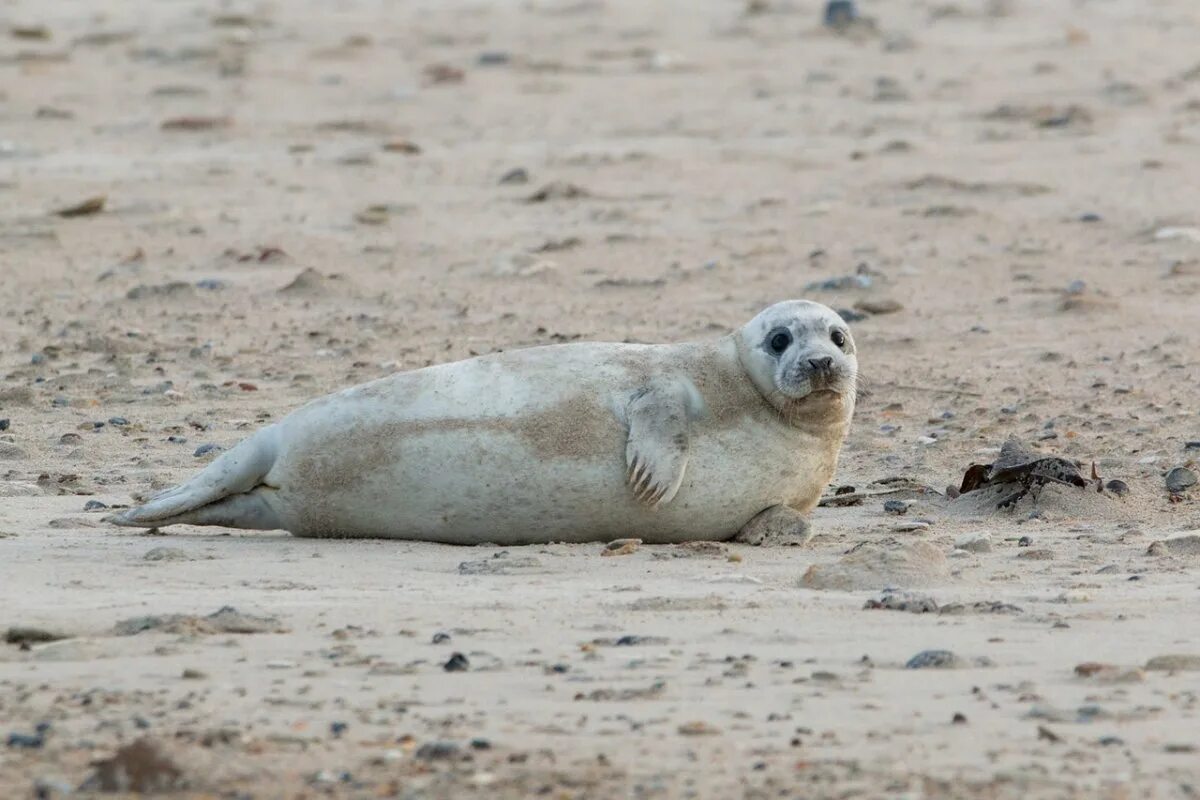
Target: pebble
(911, 527)
(4, 424)
(94, 505)
(880, 306)
(206, 449)
(177, 439)
(493, 58)
(1025, 541)
(1038, 554)
(1180, 479)
(1174, 663)
(896, 506)
(438, 751)
(457, 663)
(934, 659)
(24, 741)
(190, 674)
(281, 664)
(903, 601)
(1118, 487)
(1187, 445)
(975, 542)
(517, 176)
(336, 729)
(118, 421)
(840, 13)
(439, 637)
(621, 547)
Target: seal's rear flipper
(249, 511)
(231, 476)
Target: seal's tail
(226, 492)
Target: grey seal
(731, 437)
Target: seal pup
(735, 436)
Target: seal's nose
(821, 364)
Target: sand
(266, 202)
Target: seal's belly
(469, 482)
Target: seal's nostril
(821, 364)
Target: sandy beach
(213, 212)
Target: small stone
(457, 663)
(697, 728)
(177, 439)
(30, 635)
(281, 663)
(515, 177)
(621, 547)
(1118, 487)
(1186, 446)
(911, 527)
(934, 659)
(207, 449)
(903, 601)
(880, 306)
(336, 729)
(896, 506)
(975, 542)
(190, 674)
(441, 638)
(480, 744)
(94, 505)
(1174, 663)
(1025, 541)
(1090, 668)
(840, 13)
(4, 424)
(493, 58)
(959, 718)
(438, 751)
(24, 741)
(1180, 480)
(118, 421)
(1037, 554)
(402, 146)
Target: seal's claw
(656, 452)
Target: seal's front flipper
(656, 453)
(776, 525)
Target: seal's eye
(839, 338)
(779, 342)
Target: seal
(711, 440)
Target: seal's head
(802, 358)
